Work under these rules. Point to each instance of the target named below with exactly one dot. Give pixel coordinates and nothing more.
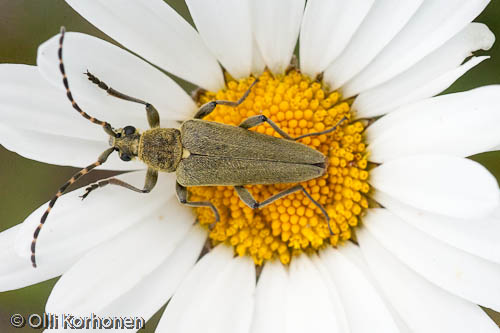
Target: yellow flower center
(292, 224)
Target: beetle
(202, 153)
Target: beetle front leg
(149, 184)
(259, 119)
(207, 108)
(182, 194)
(250, 201)
(152, 114)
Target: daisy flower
(415, 223)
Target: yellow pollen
(292, 224)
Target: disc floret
(293, 224)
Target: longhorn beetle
(202, 153)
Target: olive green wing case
(215, 139)
(197, 170)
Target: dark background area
(26, 184)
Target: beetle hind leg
(259, 119)
(250, 201)
(182, 195)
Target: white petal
(218, 293)
(359, 297)
(328, 26)
(444, 118)
(126, 73)
(455, 271)
(478, 237)
(118, 265)
(60, 149)
(404, 90)
(258, 65)
(430, 27)
(156, 289)
(385, 19)
(225, 26)
(428, 77)
(353, 253)
(271, 291)
(17, 272)
(211, 266)
(308, 305)
(339, 312)
(276, 27)
(156, 32)
(447, 185)
(47, 110)
(423, 306)
(496, 213)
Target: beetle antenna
(107, 127)
(102, 158)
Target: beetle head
(126, 142)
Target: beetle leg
(207, 108)
(250, 201)
(331, 129)
(182, 194)
(259, 119)
(149, 184)
(152, 114)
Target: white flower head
(415, 225)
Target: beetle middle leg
(259, 119)
(151, 112)
(182, 195)
(250, 201)
(207, 108)
(149, 184)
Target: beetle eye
(129, 130)
(125, 157)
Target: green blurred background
(26, 184)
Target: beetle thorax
(161, 148)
